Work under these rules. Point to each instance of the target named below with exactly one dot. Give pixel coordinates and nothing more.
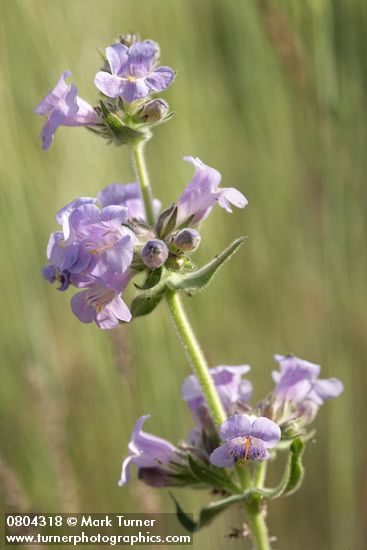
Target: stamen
(247, 447)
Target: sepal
(119, 132)
(212, 476)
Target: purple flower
(133, 72)
(63, 107)
(203, 192)
(297, 381)
(101, 301)
(62, 216)
(62, 260)
(127, 195)
(101, 237)
(232, 389)
(147, 452)
(245, 438)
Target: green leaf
(293, 473)
(217, 478)
(148, 300)
(152, 280)
(193, 282)
(186, 521)
(208, 513)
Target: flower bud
(154, 253)
(187, 240)
(129, 39)
(153, 111)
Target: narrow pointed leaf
(208, 513)
(293, 474)
(186, 521)
(193, 282)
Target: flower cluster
(104, 241)
(130, 75)
(248, 434)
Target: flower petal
(120, 309)
(231, 195)
(125, 471)
(120, 256)
(132, 90)
(110, 85)
(86, 115)
(141, 58)
(223, 456)
(81, 308)
(224, 374)
(114, 213)
(51, 99)
(200, 194)
(149, 450)
(266, 430)
(55, 120)
(118, 194)
(328, 388)
(238, 425)
(117, 56)
(190, 388)
(160, 78)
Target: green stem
(255, 518)
(260, 473)
(143, 177)
(256, 522)
(196, 356)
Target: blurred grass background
(273, 94)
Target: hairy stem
(256, 523)
(260, 474)
(254, 515)
(143, 178)
(196, 356)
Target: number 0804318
(25, 520)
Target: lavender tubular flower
(299, 392)
(63, 107)
(245, 438)
(203, 192)
(101, 237)
(148, 452)
(231, 388)
(133, 75)
(298, 380)
(101, 301)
